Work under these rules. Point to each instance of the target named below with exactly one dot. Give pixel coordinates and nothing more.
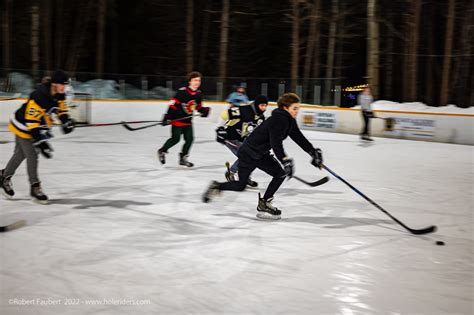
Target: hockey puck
(440, 243)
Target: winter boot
(161, 156)
(6, 182)
(252, 183)
(212, 190)
(183, 160)
(265, 209)
(37, 194)
(230, 176)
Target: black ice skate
(212, 190)
(266, 210)
(183, 160)
(37, 194)
(161, 156)
(230, 176)
(366, 138)
(6, 183)
(252, 183)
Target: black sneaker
(265, 209)
(6, 182)
(183, 160)
(37, 194)
(251, 183)
(161, 156)
(230, 176)
(212, 190)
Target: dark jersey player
(180, 113)
(239, 122)
(255, 153)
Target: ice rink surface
(121, 230)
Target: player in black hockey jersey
(239, 123)
(180, 113)
(255, 153)
(31, 124)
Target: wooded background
(406, 50)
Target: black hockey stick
(114, 124)
(13, 226)
(313, 184)
(125, 124)
(426, 230)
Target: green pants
(176, 132)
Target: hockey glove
(288, 166)
(166, 120)
(44, 148)
(317, 157)
(68, 125)
(204, 111)
(221, 134)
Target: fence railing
(320, 91)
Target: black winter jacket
(270, 135)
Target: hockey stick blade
(313, 184)
(13, 226)
(124, 124)
(426, 230)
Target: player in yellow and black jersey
(31, 124)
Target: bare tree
(6, 25)
(331, 49)
(312, 42)
(224, 41)
(46, 16)
(429, 80)
(101, 21)
(35, 25)
(205, 35)
(448, 50)
(372, 48)
(295, 42)
(189, 36)
(412, 68)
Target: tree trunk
(35, 25)
(101, 21)
(189, 36)
(448, 50)
(430, 61)
(413, 51)
(331, 49)
(295, 42)
(46, 15)
(340, 44)
(312, 42)
(6, 25)
(224, 41)
(372, 49)
(204, 36)
(389, 68)
(58, 35)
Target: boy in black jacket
(255, 153)
(180, 115)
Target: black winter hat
(60, 77)
(261, 99)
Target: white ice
(120, 228)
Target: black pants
(366, 118)
(176, 132)
(247, 165)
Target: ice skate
(266, 210)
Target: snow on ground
(122, 229)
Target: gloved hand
(166, 120)
(289, 166)
(68, 125)
(317, 157)
(204, 111)
(44, 148)
(221, 134)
